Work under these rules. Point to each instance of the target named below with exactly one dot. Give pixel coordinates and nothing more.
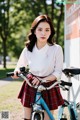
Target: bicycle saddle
(71, 71)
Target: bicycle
(39, 104)
(72, 106)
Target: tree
(4, 25)
(18, 16)
(59, 22)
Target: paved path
(2, 82)
(5, 81)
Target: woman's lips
(42, 37)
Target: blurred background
(16, 17)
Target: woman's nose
(43, 32)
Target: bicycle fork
(39, 101)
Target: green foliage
(4, 71)
(21, 14)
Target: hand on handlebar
(15, 76)
(35, 81)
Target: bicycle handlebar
(10, 74)
(25, 76)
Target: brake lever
(64, 88)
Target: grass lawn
(10, 68)
(4, 71)
(9, 101)
(8, 95)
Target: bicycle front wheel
(37, 116)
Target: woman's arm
(50, 78)
(22, 62)
(56, 75)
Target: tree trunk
(45, 7)
(58, 23)
(52, 10)
(4, 53)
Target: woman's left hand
(35, 81)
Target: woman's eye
(47, 30)
(43, 30)
(39, 29)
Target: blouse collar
(42, 49)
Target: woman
(45, 60)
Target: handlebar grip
(66, 83)
(10, 74)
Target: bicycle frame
(40, 102)
(72, 110)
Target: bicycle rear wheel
(68, 112)
(64, 112)
(74, 114)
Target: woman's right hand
(15, 75)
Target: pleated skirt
(52, 97)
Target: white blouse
(42, 62)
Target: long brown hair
(32, 37)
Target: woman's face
(42, 32)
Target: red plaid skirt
(52, 97)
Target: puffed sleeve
(58, 62)
(22, 62)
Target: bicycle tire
(37, 116)
(63, 119)
(68, 113)
(73, 117)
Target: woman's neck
(40, 45)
